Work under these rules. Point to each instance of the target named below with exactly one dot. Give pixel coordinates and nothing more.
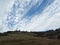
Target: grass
(26, 39)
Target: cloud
(48, 19)
(4, 6)
(38, 15)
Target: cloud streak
(33, 15)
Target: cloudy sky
(29, 15)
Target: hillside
(30, 38)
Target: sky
(29, 15)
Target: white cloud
(4, 6)
(48, 19)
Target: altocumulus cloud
(30, 15)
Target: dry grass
(26, 39)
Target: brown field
(26, 39)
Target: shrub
(58, 37)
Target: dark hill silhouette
(51, 34)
